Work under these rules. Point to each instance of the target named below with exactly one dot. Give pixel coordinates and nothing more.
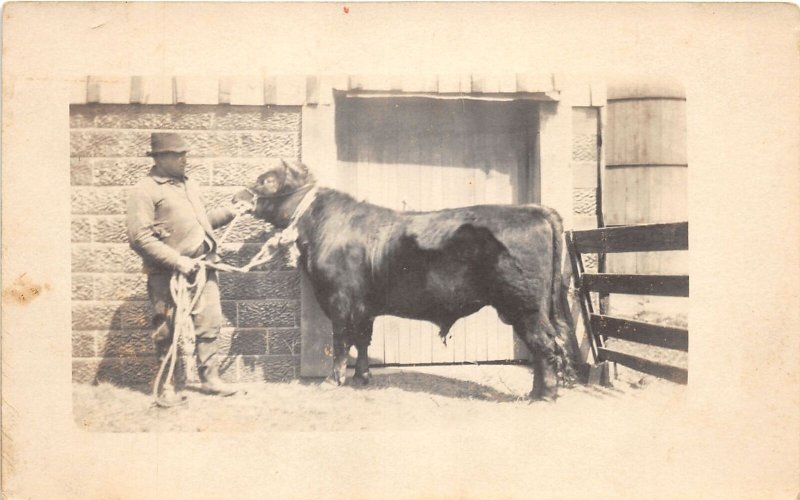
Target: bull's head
(277, 191)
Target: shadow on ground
(438, 385)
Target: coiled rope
(185, 295)
(185, 300)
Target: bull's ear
(301, 173)
(309, 177)
(243, 195)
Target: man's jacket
(166, 219)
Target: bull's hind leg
(538, 335)
(362, 342)
(341, 346)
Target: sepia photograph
(409, 220)
(392, 250)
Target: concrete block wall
(584, 164)
(110, 312)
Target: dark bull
(365, 261)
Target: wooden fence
(599, 327)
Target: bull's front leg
(341, 347)
(362, 374)
(362, 342)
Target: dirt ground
(407, 398)
(401, 398)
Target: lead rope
(182, 330)
(287, 236)
(183, 327)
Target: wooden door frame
(319, 148)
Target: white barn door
(425, 154)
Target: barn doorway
(428, 153)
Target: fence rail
(637, 284)
(639, 238)
(599, 327)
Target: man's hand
(185, 265)
(242, 207)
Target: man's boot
(208, 368)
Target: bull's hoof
(328, 384)
(332, 381)
(363, 378)
(542, 398)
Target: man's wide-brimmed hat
(166, 142)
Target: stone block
(82, 287)
(229, 313)
(199, 170)
(261, 285)
(110, 230)
(584, 175)
(128, 171)
(120, 171)
(584, 201)
(131, 286)
(217, 196)
(239, 254)
(96, 315)
(125, 344)
(213, 143)
(127, 371)
(247, 229)
(228, 369)
(81, 230)
(82, 115)
(99, 201)
(106, 143)
(283, 341)
(111, 116)
(137, 314)
(270, 144)
(107, 258)
(243, 341)
(584, 147)
(155, 117)
(268, 313)
(84, 371)
(590, 262)
(191, 117)
(80, 172)
(274, 118)
(268, 368)
(237, 172)
(82, 345)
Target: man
(170, 229)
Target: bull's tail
(559, 306)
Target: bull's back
(438, 265)
(514, 226)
